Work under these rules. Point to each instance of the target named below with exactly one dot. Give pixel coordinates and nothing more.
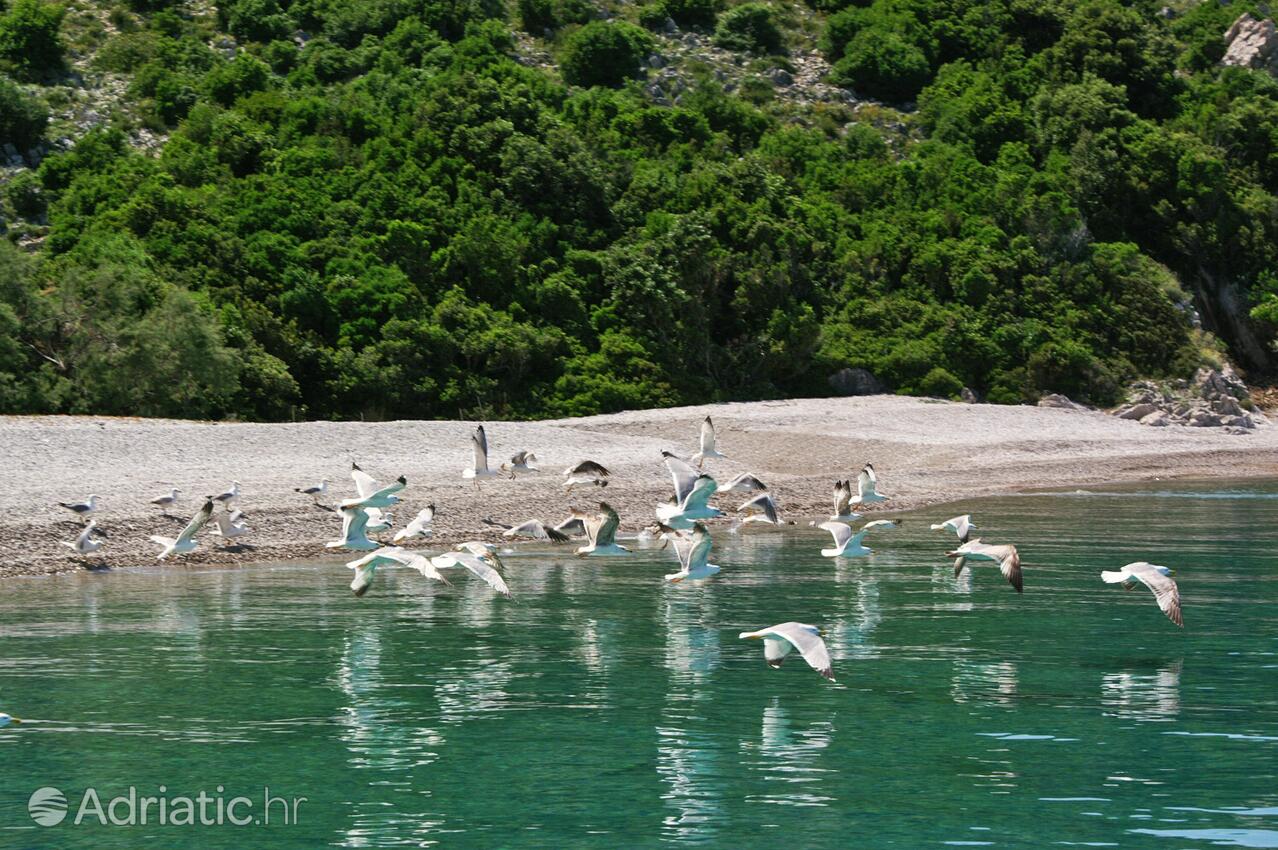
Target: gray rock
(1204, 419)
(780, 77)
(670, 26)
(10, 151)
(1242, 421)
(656, 61)
(1157, 419)
(855, 382)
(1136, 411)
(968, 396)
(1251, 43)
(1060, 402)
(1228, 406)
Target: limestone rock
(855, 382)
(1136, 411)
(1060, 402)
(968, 396)
(1156, 419)
(1251, 43)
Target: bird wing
(481, 570)
(841, 530)
(479, 449)
(878, 523)
(683, 546)
(745, 483)
(682, 473)
(1164, 587)
(842, 498)
(703, 488)
(962, 526)
(700, 549)
(423, 565)
(354, 522)
(775, 650)
(808, 641)
(1009, 564)
(866, 482)
(365, 485)
(572, 525)
(588, 467)
(707, 436)
(197, 522)
(764, 504)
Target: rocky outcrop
(1251, 43)
(1215, 398)
(1060, 402)
(855, 382)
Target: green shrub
(653, 16)
(538, 15)
(940, 383)
(750, 27)
(883, 65)
(692, 14)
(22, 117)
(242, 75)
(30, 40)
(23, 192)
(605, 54)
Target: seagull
(762, 508)
(185, 541)
(6, 719)
(229, 524)
(479, 566)
(84, 544)
(1156, 578)
(1009, 560)
(693, 551)
(354, 531)
(586, 473)
(962, 526)
(692, 495)
(843, 503)
(574, 526)
(419, 527)
(866, 484)
(378, 520)
(166, 502)
(521, 462)
(779, 641)
(533, 528)
(315, 490)
(601, 533)
(847, 544)
(388, 556)
(479, 458)
(82, 509)
(744, 483)
(229, 496)
(383, 498)
(707, 443)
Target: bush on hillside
(751, 28)
(605, 54)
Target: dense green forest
(385, 208)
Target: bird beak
(15, 719)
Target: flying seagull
(574, 525)
(389, 556)
(82, 509)
(185, 541)
(707, 443)
(420, 525)
(586, 473)
(478, 566)
(479, 458)
(378, 519)
(382, 498)
(779, 641)
(533, 528)
(744, 483)
(521, 462)
(1157, 579)
(693, 551)
(867, 487)
(962, 526)
(226, 497)
(229, 525)
(762, 508)
(354, 531)
(315, 490)
(692, 495)
(166, 501)
(601, 533)
(847, 544)
(843, 503)
(84, 544)
(1008, 559)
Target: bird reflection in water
(1142, 696)
(792, 757)
(985, 683)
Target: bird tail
(675, 578)
(830, 553)
(1110, 577)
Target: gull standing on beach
(1005, 555)
(185, 541)
(587, 473)
(533, 529)
(84, 544)
(315, 490)
(1157, 578)
(693, 492)
(780, 640)
(479, 458)
(166, 501)
(420, 525)
(387, 556)
(693, 551)
(601, 533)
(867, 484)
(707, 443)
(847, 544)
(521, 462)
(227, 497)
(82, 509)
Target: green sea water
(599, 708)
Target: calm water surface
(599, 708)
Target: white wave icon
(48, 806)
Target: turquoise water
(598, 708)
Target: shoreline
(926, 452)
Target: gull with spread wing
(779, 641)
(849, 545)
(1157, 578)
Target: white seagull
(420, 525)
(166, 501)
(379, 520)
(962, 526)
(185, 541)
(521, 462)
(534, 529)
(843, 503)
(779, 641)
(1008, 559)
(867, 487)
(82, 509)
(229, 525)
(1158, 579)
(479, 566)
(315, 490)
(762, 508)
(585, 474)
(693, 551)
(381, 498)
(354, 531)
(744, 483)
(707, 443)
(84, 544)
(227, 497)
(388, 556)
(847, 544)
(692, 495)
(479, 458)
(601, 533)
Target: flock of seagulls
(680, 524)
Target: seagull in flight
(185, 541)
(962, 526)
(534, 529)
(779, 641)
(601, 533)
(849, 545)
(521, 462)
(744, 483)
(381, 498)
(315, 490)
(693, 551)
(574, 525)
(420, 525)
(867, 488)
(1158, 579)
(229, 525)
(227, 497)
(84, 544)
(693, 491)
(479, 565)
(479, 458)
(390, 556)
(354, 531)
(585, 474)
(82, 509)
(762, 508)
(1005, 555)
(166, 501)
(707, 443)
(843, 503)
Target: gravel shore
(925, 452)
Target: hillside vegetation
(424, 208)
